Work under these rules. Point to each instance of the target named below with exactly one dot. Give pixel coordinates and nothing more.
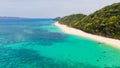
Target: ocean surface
(37, 43)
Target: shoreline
(101, 40)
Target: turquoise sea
(37, 43)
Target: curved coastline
(102, 40)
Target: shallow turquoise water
(37, 43)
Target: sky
(50, 8)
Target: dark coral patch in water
(26, 58)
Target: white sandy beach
(113, 42)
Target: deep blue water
(27, 30)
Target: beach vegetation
(104, 22)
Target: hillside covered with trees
(71, 19)
(105, 22)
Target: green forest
(104, 22)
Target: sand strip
(113, 42)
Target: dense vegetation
(105, 22)
(71, 19)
